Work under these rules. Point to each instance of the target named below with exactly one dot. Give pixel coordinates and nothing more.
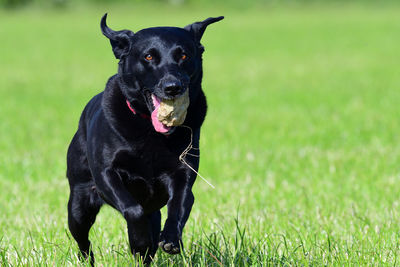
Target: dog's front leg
(179, 205)
(112, 189)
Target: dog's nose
(173, 88)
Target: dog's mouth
(168, 113)
(158, 125)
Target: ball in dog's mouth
(169, 112)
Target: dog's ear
(120, 40)
(198, 28)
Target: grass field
(301, 139)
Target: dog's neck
(130, 106)
(117, 112)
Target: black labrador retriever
(124, 156)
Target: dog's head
(160, 63)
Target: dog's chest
(144, 177)
(150, 192)
(146, 172)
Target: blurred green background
(301, 139)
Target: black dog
(123, 156)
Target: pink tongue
(158, 126)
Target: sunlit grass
(301, 138)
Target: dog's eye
(148, 57)
(184, 56)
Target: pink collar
(144, 116)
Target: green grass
(301, 138)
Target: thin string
(186, 152)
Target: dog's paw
(170, 245)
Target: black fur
(117, 157)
